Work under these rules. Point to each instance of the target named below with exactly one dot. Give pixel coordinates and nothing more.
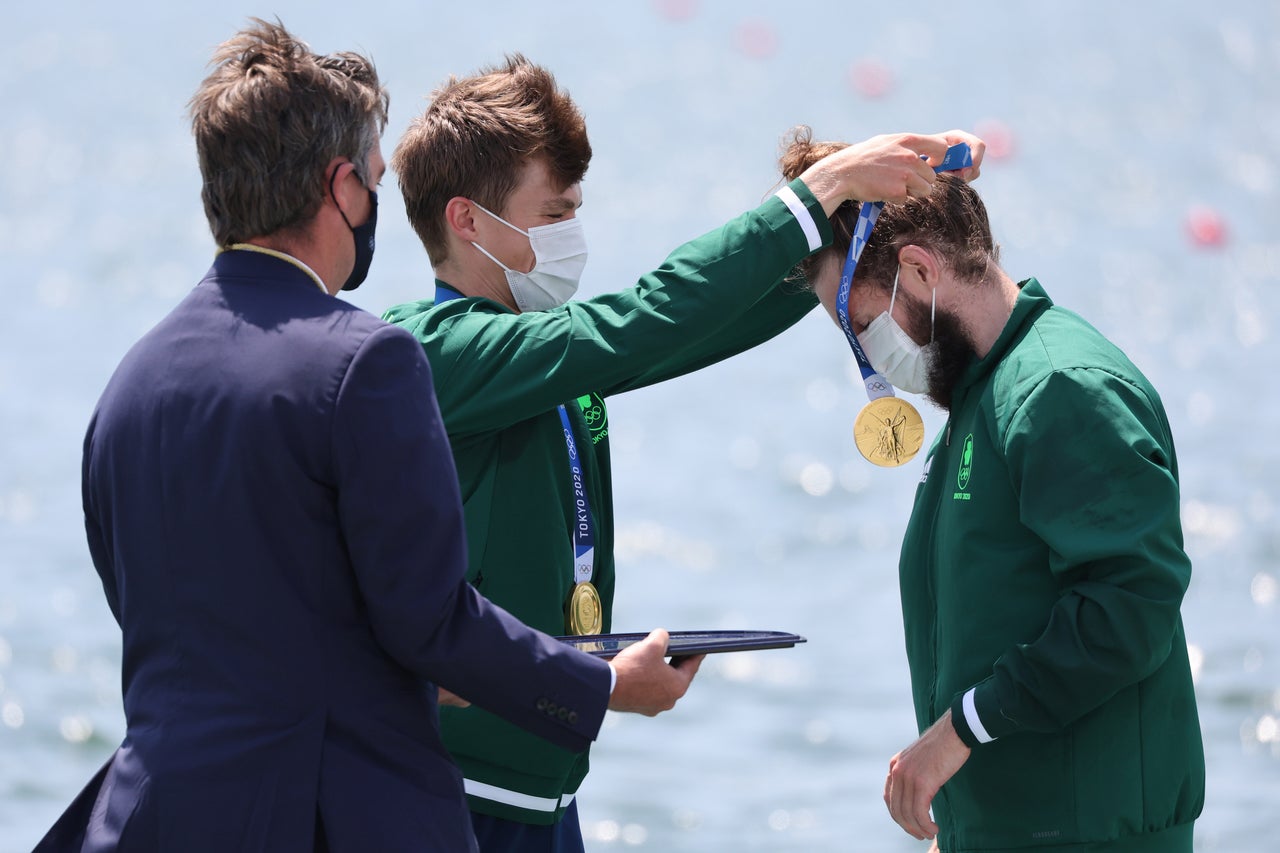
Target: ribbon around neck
(958, 157)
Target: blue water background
(741, 500)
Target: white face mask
(892, 352)
(560, 253)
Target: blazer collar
(238, 262)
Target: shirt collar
(263, 250)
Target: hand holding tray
(684, 643)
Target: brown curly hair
(951, 222)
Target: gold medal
(583, 613)
(888, 431)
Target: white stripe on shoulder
(802, 215)
(971, 717)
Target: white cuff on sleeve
(801, 213)
(613, 678)
(971, 717)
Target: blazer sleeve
(401, 517)
(94, 526)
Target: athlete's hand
(977, 148)
(916, 774)
(891, 167)
(647, 684)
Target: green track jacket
(500, 376)
(1042, 574)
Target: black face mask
(364, 245)
(363, 237)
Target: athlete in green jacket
(490, 175)
(1042, 569)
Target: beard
(949, 355)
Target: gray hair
(267, 121)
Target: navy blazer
(271, 503)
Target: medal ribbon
(958, 156)
(584, 531)
(444, 293)
(584, 534)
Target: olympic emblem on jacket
(597, 417)
(966, 463)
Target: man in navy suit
(283, 550)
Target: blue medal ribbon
(444, 293)
(584, 529)
(958, 156)
(584, 533)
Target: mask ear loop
(933, 311)
(490, 256)
(333, 178)
(500, 219)
(933, 303)
(485, 251)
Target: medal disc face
(585, 614)
(888, 431)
